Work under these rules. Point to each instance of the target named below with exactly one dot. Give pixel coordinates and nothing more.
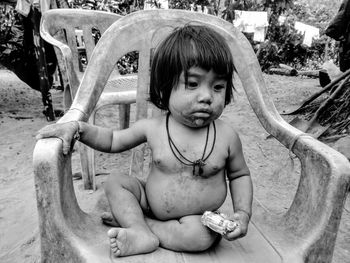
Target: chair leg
(67, 97)
(86, 167)
(87, 161)
(87, 155)
(124, 116)
(91, 161)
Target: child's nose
(205, 95)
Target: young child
(192, 151)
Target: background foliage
(283, 44)
(11, 35)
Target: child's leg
(186, 234)
(173, 233)
(126, 197)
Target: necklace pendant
(198, 167)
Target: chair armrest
(312, 221)
(54, 187)
(318, 204)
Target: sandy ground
(21, 116)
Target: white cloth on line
(259, 34)
(198, 8)
(282, 19)
(152, 4)
(254, 19)
(23, 6)
(252, 22)
(309, 32)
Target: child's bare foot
(129, 241)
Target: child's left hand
(64, 131)
(243, 220)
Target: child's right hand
(63, 131)
(243, 220)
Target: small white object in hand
(218, 222)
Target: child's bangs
(207, 54)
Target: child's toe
(112, 233)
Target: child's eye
(192, 84)
(219, 87)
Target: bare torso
(171, 188)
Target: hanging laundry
(259, 34)
(281, 20)
(156, 4)
(252, 22)
(309, 32)
(23, 6)
(45, 5)
(199, 9)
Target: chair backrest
(141, 31)
(73, 33)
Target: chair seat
(253, 248)
(250, 249)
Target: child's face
(201, 101)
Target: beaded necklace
(198, 164)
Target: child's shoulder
(225, 128)
(229, 136)
(227, 132)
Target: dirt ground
(21, 116)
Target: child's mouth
(201, 114)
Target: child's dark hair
(185, 47)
